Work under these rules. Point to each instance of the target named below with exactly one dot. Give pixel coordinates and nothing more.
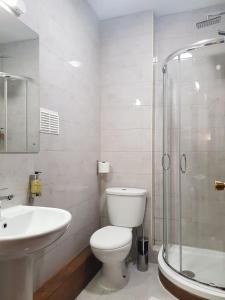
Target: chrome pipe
(193, 47)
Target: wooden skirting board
(177, 291)
(71, 279)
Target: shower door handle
(183, 163)
(219, 185)
(166, 167)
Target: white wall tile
(127, 80)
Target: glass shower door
(193, 159)
(202, 147)
(170, 162)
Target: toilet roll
(103, 167)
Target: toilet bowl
(111, 245)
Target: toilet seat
(111, 237)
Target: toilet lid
(111, 237)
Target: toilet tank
(126, 206)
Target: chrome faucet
(6, 197)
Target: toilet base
(114, 276)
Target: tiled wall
(126, 103)
(68, 31)
(202, 224)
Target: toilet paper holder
(103, 167)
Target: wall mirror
(19, 86)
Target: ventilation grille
(49, 121)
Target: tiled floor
(141, 286)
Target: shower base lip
(187, 285)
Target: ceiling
(106, 9)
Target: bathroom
(112, 149)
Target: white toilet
(112, 244)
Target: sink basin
(23, 231)
(26, 229)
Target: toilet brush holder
(142, 259)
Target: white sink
(23, 231)
(26, 229)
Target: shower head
(209, 21)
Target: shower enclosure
(193, 159)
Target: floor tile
(141, 286)
(92, 291)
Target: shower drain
(188, 274)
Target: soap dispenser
(35, 186)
